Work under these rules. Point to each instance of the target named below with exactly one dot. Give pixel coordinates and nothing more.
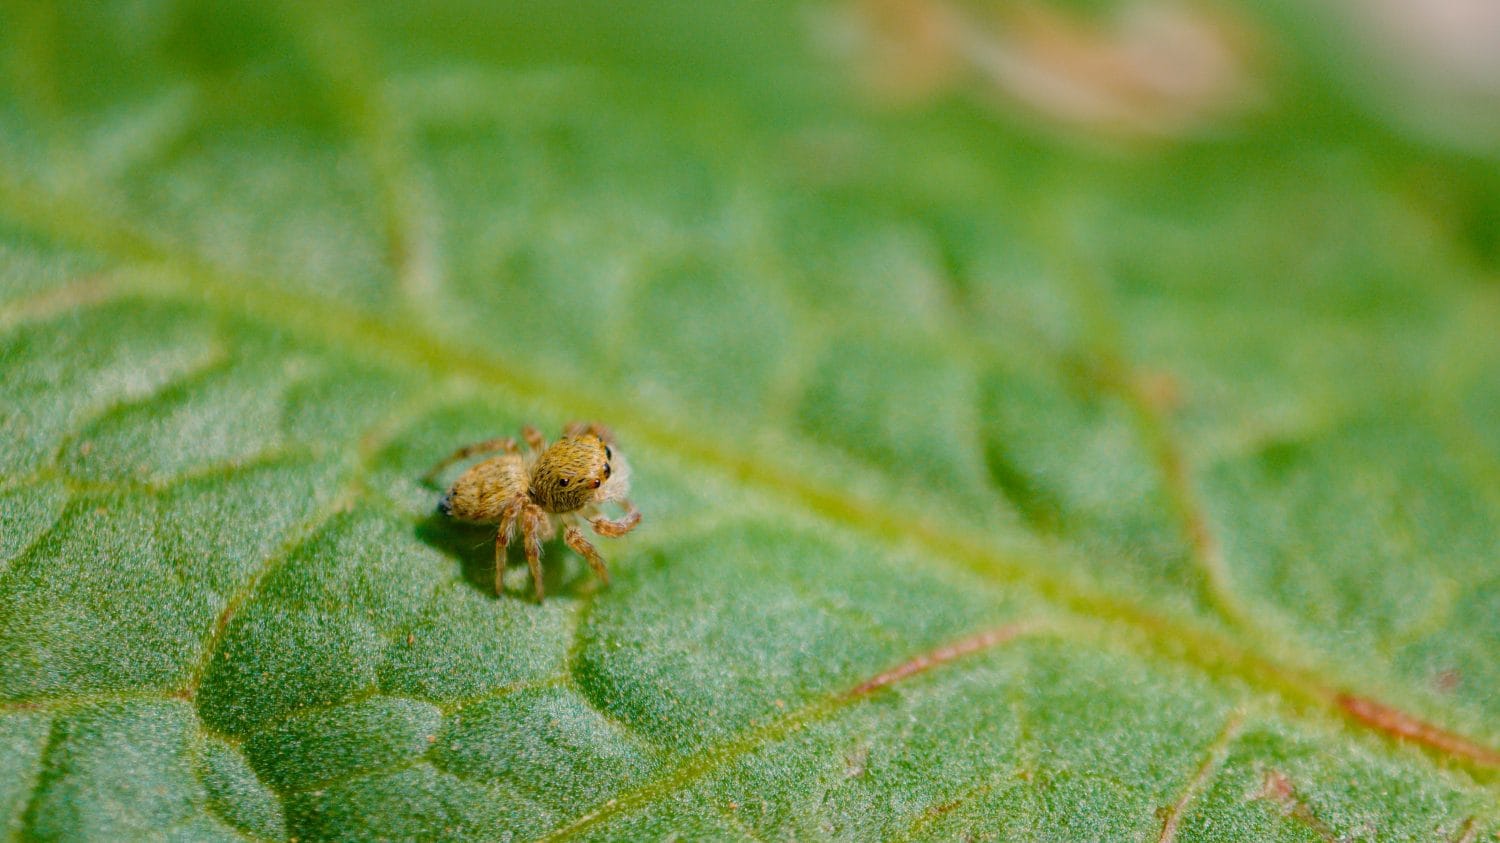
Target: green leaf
(997, 483)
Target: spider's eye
(596, 484)
(563, 482)
(607, 454)
(606, 471)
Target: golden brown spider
(569, 479)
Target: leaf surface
(994, 486)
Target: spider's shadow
(473, 546)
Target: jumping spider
(568, 479)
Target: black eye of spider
(563, 482)
(607, 454)
(606, 471)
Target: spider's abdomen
(481, 493)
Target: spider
(568, 479)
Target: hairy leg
(579, 428)
(506, 444)
(508, 518)
(534, 522)
(534, 439)
(574, 537)
(620, 526)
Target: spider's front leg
(534, 439)
(620, 526)
(504, 443)
(509, 517)
(532, 526)
(574, 538)
(579, 428)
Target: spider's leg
(503, 533)
(579, 428)
(574, 537)
(620, 526)
(506, 444)
(534, 439)
(531, 528)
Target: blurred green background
(1171, 329)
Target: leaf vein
(299, 536)
(33, 803)
(1213, 756)
(707, 761)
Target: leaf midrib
(191, 280)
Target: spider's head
(577, 471)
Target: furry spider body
(531, 492)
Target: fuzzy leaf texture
(1003, 478)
